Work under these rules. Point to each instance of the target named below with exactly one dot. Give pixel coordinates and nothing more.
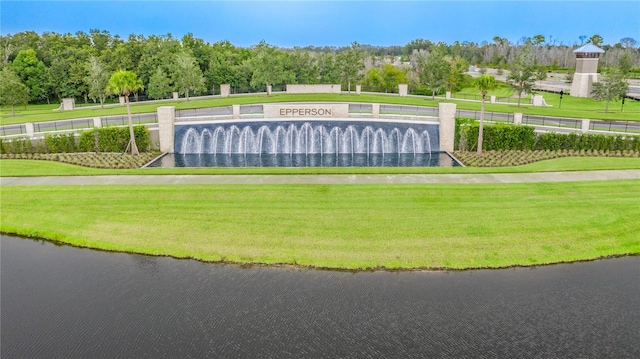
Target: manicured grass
(19, 168)
(571, 107)
(340, 226)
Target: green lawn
(571, 107)
(13, 168)
(340, 226)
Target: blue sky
(331, 23)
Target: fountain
(306, 143)
(308, 138)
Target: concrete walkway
(325, 179)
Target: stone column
(30, 129)
(537, 100)
(121, 99)
(358, 89)
(225, 90)
(68, 103)
(493, 99)
(403, 89)
(269, 88)
(375, 110)
(447, 117)
(236, 111)
(517, 119)
(166, 120)
(584, 128)
(97, 122)
(175, 95)
(447, 95)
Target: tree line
(51, 66)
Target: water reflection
(438, 159)
(69, 302)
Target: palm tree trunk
(480, 130)
(134, 148)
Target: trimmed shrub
(502, 137)
(61, 143)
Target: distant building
(586, 70)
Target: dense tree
(270, 66)
(159, 85)
(12, 91)
(385, 79)
(186, 74)
(350, 64)
(32, 73)
(64, 56)
(434, 72)
(328, 69)
(97, 80)
(483, 83)
(610, 87)
(457, 68)
(124, 83)
(522, 73)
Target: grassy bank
(340, 226)
(571, 106)
(20, 168)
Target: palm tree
(483, 83)
(123, 83)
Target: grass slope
(571, 106)
(340, 226)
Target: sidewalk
(324, 179)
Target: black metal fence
(9, 130)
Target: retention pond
(66, 302)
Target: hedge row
(501, 137)
(108, 139)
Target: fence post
(29, 128)
(97, 122)
(517, 118)
(447, 95)
(236, 111)
(493, 99)
(375, 110)
(585, 126)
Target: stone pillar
(175, 95)
(358, 89)
(30, 129)
(537, 100)
(236, 111)
(447, 95)
(269, 88)
(517, 119)
(375, 110)
(584, 128)
(97, 122)
(403, 89)
(166, 120)
(225, 90)
(492, 99)
(68, 104)
(121, 99)
(447, 116)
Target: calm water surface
(65, 302)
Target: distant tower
(586, 70)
